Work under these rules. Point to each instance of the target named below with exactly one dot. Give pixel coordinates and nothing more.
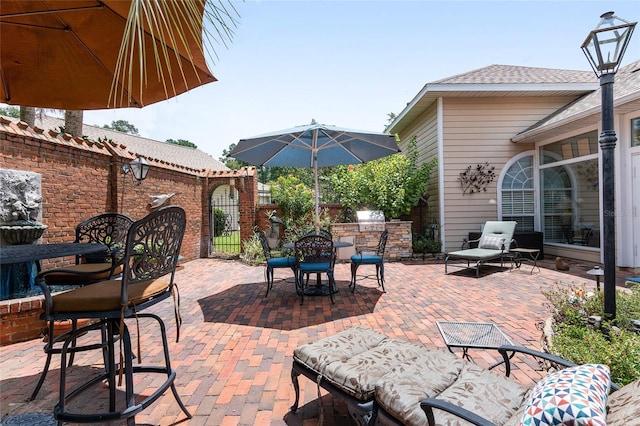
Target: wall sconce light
(138, 168)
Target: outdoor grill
(370, 220)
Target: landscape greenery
(580, 334)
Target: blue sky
(350, 63)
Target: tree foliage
(122, 126)
(293, 197)
(10, 111)
(230, 162)
(182, 142)
(393, 184)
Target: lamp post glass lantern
(604, 48)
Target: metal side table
(472, 335)
(526, 255)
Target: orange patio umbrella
(86, 54)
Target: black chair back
(109, 229)
(314, 248)
(153, 247)
(266, 250)
(382, 243)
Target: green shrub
(577, 340)
(425, 244)
(219, 221)
(293, 198)
(252, 250)
(393, 184)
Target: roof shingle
(510, 74)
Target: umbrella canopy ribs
(315, 145)
(90, 54)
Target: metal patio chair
(370, 256)
(151, 255)
(109, 229)
(274, 262)
(314, 255)
(494, 244)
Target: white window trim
(536, 187)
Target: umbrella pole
(314, 152)
(316, 220)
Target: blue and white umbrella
(312, 146)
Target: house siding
(478, 130)
(425, 128)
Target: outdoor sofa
(493, 244)
(392, 381)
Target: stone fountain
(20, 203)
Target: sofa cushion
(339, 347)
(623, 405)
(400, 391)
(572, 396)
(358, 375)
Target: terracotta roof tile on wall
(246, 171)
(174, 155)
(13, 126)
(510, 74)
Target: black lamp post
(604, 48)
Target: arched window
(518, 194)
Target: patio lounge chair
(493, 244)
(392, 381)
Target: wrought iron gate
(224, 222)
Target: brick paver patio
(233, 360)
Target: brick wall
(81, 179)
(20, 320)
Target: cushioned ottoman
(350, 365)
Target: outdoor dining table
(20, 263)
(336, 245)
(319, 289)
(26, 252)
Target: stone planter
(546, 328)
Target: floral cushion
(339, 347)
(358, 375)
(486, 393)
(400, 391)
(491, 242)
(574, 396)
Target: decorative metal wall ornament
(476, 179)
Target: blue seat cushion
(282, 262)
(314, 266)
(367, 259)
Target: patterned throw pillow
(574, 396)
(491, 242)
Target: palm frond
(186, 29)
